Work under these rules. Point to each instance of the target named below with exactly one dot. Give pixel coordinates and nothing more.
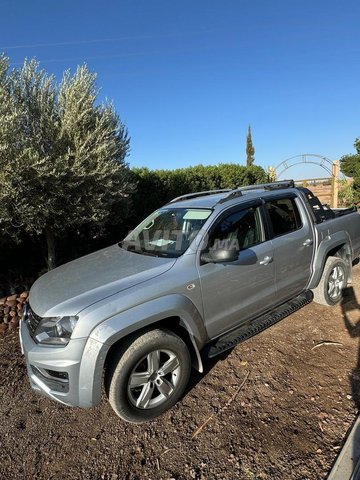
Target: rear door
(234, 292)
(293, 242)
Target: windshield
(167, 232)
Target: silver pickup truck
(201, 274)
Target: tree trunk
(50, 240)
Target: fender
(113, 329)
(140, 316)
(330, 242)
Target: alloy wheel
(154, 379)
(336, 282)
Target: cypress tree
(250, 150)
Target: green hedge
(156, 187)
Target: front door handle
(266, 260)
(308, 242)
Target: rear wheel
(332, 283)
(148, 375)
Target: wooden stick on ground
(229, 402)
(327, 343)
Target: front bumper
(65, 374)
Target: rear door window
(284, 216)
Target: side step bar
(253, 327)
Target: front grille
(32, 321)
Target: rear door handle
(308, 242)
(266, 260)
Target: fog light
(59, 375)
(56, 381)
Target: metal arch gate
(332, 168)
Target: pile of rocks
(11, 311)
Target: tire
(333, 281)
(138, 387)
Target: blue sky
(187, 77)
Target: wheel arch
(176, 325)
(343, 251)
(336, 245)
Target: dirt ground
(288, 421)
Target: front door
(234, 292)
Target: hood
(68, 289)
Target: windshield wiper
(134, 250)
(147, 252)
(129, 248)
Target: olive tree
(62, 154)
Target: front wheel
(332, 283)
(148, 375)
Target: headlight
(55, 330)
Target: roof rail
(237, 192)
(188, 196)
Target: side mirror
(220, 255)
